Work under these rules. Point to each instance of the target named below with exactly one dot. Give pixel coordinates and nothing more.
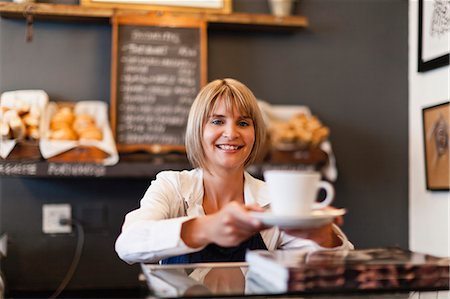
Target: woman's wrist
(194, 232)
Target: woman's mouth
(228, 147)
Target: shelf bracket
(29, 19)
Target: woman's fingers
(233, 224)
(239, 216)
(323, 235)
(255, 208)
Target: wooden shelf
(124, 169)
(138, 165)
(82, 13)
(54, 11)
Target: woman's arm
(152, 232)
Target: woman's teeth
(228, 147)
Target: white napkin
(14, 99)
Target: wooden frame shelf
(124, 169)
(81, 13)
(143, 165)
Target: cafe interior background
(354, 66)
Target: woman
(202, 215)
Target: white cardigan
(152, 232)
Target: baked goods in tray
(78, 132)
(20, 121)
(301, 131)
(65, 124)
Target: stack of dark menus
(349, 270)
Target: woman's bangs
(231, 101)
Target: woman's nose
(230, 131)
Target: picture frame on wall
(189, 6)
(434, 34)
(436, 146)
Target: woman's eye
(243, 123)
(217, 122)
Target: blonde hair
(234, 94)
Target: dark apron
(214, 253)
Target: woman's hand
(323, 235)
(228, 227)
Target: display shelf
(142, 165)
(54, 12)
(126, 168)
(82, 13)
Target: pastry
(82, 122)
(31, 120)
(5, 130)
(17, 127)
(301, 131)
(65, 133)
(64, 114)
(57, 125)
(92, 133)
(20, 121)
(33, 132)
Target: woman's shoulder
(173, 175)
(173, 182)
(183, 181)
(257, 192)
(254, 181)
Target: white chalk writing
(65, 169)
(18, 169)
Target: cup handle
(329, 189)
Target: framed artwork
(195, 6)
(434, 34)
(437, 151)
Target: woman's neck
(222, 188)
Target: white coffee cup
(294, 192)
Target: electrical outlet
(52, 214)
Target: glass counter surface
(220, 280)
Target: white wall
(429, 212)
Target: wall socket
(52, 214)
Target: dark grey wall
(350, 67)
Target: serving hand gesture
(228, 227)
(322, 235)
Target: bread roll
(91, 134)
(31, 120)
(63, 134)
(33, 132)
(58, 125)
(23, 109)
(5, 131)
(64, 114)
(9, 114)
(83, 122)
(17, 127)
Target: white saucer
(315, 219)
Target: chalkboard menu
(158, 67)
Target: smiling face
(219, 104)
(228, 138)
